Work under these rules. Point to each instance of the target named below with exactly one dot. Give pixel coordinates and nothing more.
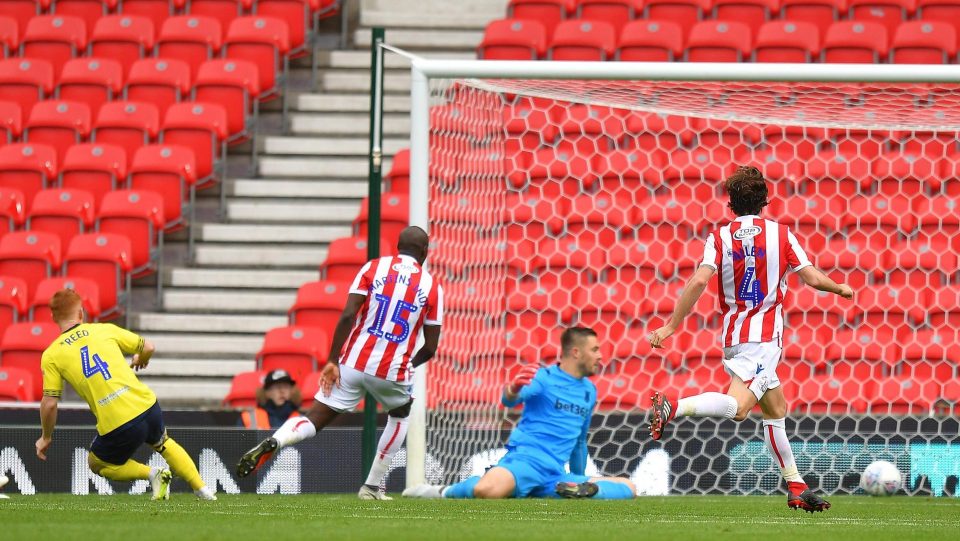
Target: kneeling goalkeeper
(558, 404)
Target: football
(881, 478)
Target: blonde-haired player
(91, 358)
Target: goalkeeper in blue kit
(558, 404)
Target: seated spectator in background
(278, 400)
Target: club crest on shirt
(405, 268)
(747, 232)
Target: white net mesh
(555, 203)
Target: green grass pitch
(274, 517)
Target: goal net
(556, 202)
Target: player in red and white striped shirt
(394, 305)
(751, 257)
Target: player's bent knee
(402, 412)
(489, 491)
(95, 464)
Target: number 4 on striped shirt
(749, 289)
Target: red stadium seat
(25, 81)
(105, 259)
(91, 81)
(243, 389)
(90, 11)
(27, 168)
(718, 41)
(851, 260)
(169, 170)
(24, 10)
(9, 36)
(753, 13)
(398, 179)
(65, 213)
(54, 38)
(123, 38)
(947, 11)
(820, 13)
(937, 216)
(138, 215)
(297, 349)
(513, 39)
(203, 128)
(11, 121)
(920, 263)
(883, 305)
(787, 41)
(13, 300)
(616, 13)
(158, 82)
(235, 84)
(855, 42)
(686, 13)
(345, 256)
(879, 213)
(650, 41)
(60, 124)
(155, 10)
(548, 12)
(834, 172)
(190, 39)
(394, 217)
(128, 125)
(932, 345)
(265, 41)
(889, 13)
(94, 168)
(903, 396)
(87, 289)
(30, 256)
(898, 172)
(924, 42)
(319, 304)
(22, 346)
(583, 40)
(827, 394)
(224, 11)
(16, 385)
(296, 13)
(11, 210)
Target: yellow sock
(130, 471)
(180, 463)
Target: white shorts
(755, 363)
(354, 384)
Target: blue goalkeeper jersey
(556, 417)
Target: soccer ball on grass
(881, 478)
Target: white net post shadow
(559, 202)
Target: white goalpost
(578, 193)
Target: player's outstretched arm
(431, 339)
(689, 297)
(512, 392)
(48, 420)
(816, 279)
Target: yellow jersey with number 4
(91, 357)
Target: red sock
(795, 487)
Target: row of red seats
(153, 86)
(913, 42)
(752, 12)
(122, 41)
(18, 306)
(302, 16)
(244, 387)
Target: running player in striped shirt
(753, 256)
(394, 304)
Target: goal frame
(423, 70)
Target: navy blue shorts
(118, 445)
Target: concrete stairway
(308, 189)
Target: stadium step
(358, 81)
(391, 61)
(305, 212)
(341, 168)
(423, 20)
(298, 188)
(203, 345)
(330, 146)
(210, 323)
(343, 103)
(250, 233)
(253, 255)
(204, 368)
(239, 278)
(188, 391)
(395, 125)
(228, 301)
(420, 39)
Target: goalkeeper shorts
(534, 474)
